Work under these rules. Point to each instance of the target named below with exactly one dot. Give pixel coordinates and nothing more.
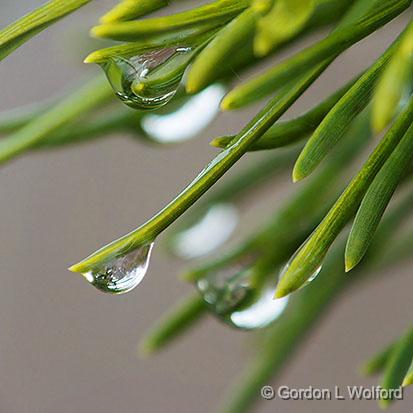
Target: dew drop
(122, 274)
(229, 296)
(225, 289)
(127, 77)
(207, 234)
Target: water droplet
(225, 289)
(210, 232)
(122, 274)
(194, 115)
(127, 77)
(230, 296)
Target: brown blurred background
(66, 348)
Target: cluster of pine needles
(226, 37)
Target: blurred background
(66, 347)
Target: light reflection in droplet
(122, 274)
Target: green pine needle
(376, 200)
(350, 31)
(19, 32)
(175, 322)
(131, 9)
(378, 362)
(212, 14)
(291, 131)
(398, 365)
(312, 254)
(394, 83)
(338, 120)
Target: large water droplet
(207, 234)
(127, 75)
(229, 295)
(225, 289)
(122, 274)
(195, 114)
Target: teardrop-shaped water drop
(122, 274)
(207, 234)
(127, 75)
(225, 289)
(188, 120)
(230, 296)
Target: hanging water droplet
(127, 76)
(230, 296)
(207, 234)
(122, 274)
(181, 124)
(225, 289)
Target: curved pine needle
(236, 188)
(85, 131)
(283, 21)
(14, 119)
(213, 14)
(398, 365)
(39, 129)
(291, 131)
(175, 322)
(294, 220)
(132, 9)
(309, 258)
(184, 38)
(339, 119)
(378, 362)
(394, 82)
(408, 378)
(345, 35)
(19, 32)
(376, 200)
(231, 37)
(205, 180)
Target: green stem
(311, 255)
(207, 178)
(178, 320)
(377, 363)
(211, 14)
(17, 33)
(11, 120)
(398, 365)
(132, 9)
(291, 131)
(45, 125)
(346, 34)
(240, 185)
(120, 120)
